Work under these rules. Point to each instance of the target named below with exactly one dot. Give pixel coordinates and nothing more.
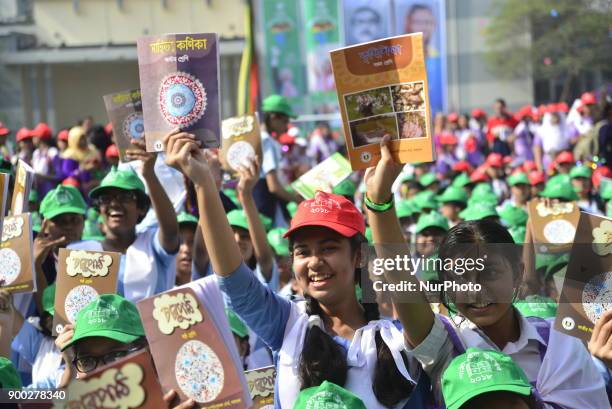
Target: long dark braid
(322, 359)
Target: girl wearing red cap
(557, 365)
(331, 336)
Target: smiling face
(119, 210)
(324, 264)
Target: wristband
(378, 207)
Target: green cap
(482, 188)
(477, 372)
(557, 189)
(48, 299)
(233, 196)
(184, 217)
(368, 235)
(120, 179)
(238, 218)
(33, 197)
(453, 194)
(267, 222)
(236, 324)
(606, 189)
(36, 222)
(404, 208)
(556, 263)
(92, 214)
(518, 179)
(513, 216)
(433, 219)
(327, 395)
(277, 103)
(609, 212)
(429, 271)
(428, 179)
(345, 188)
(518, 233)
(91, 231)
(537, 306)
(483, 197)
(61, 200)
(110, 316)
(581, 172)
(425, 200)
(279, 244)
(292, 208)
(478, 211)
(9, 378)
(461, 180)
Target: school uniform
(146, 268)
(559, 366)
(282, 325)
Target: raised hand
(44, 243)
(249, 175)
(138, 151)
(183, 153)
(600, 344)
(380, 178)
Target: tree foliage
(556, 39)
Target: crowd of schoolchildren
(290, 269)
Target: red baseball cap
(70, 181)
(23, 134)
(448, 138)
(328, 210)
(507, 160)
(588, 98)
(479, 174)
(4, 130)
(529, 165)
(536, 177)
(495, 160)
(462, 166)
(562, 107)
(108, 128)
(601, 172)
(478, 113)
(42, 131)
(453, 117)
(62, 135)
(112, 151)
(565, 157)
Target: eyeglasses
(123, 197)
(89, 363)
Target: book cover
(382, 89)
(325, 176)
(261, 386)
(82, 276)
(124, 110)
(554, 227)
(5, 180)
(241, 141)
(130, 382)
(16, 255)
(587, 287)
(179, 80)
(189, 352)
(24, 177)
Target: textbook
(16, 255)
(179, 81)
(587, 288)
(241, 141)
(82, 276)
(190, 353)
(124, 110)
(553, 226)
(324, 176)
(261, 386)
(24, 177)
(382, 89)
(130, 382)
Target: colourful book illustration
(130, 382)
(17, 272)
(261, 386)
(554, 226)
(179, 80)
(587, 287)
(241, 141)
(124, 110)
(24, 177)
(382, 89)
(82, 276)
(189, 352)
(325, 176)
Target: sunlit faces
(185, 253)
(94, 352)
(324, 264)
(520, 193)
(243, 239)
(497, 400)
(119, 209)
(69, 225)
(428, 240)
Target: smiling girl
(329, 337)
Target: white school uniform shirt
(566, 376)
(361, 358)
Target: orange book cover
(382, 89)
